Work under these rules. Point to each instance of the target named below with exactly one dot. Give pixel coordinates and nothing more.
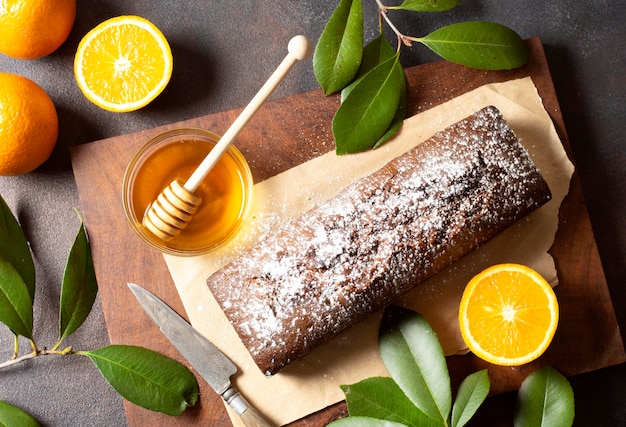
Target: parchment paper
(313, 383)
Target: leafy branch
(418, 393)
(371, 79)
(128, 369)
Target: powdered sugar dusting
(355, 253)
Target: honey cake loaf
(381, 236)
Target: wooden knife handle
(249, 416)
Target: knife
(207, 359)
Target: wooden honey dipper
(176, 204)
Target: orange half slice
(123, 64)
(508, 315)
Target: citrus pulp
(123, 63)
(508, 314)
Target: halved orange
(508, 314)
(123, 63)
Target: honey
(225, 192)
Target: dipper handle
(300, 47)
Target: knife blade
(213, 365)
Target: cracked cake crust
(381, 236)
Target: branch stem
(16, 346)
(34, 354)
(16, 360)
(384, 12)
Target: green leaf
(146, 378)
(375, 53)
(427, 5)
(397, 121)
(14, 248)
(364, 422)
(79, 288)
(13, 416)
(337, 54)
(478, 44)
(369, 109)
(545, 399)
(413, 356)
(381, 398)
(16, 308)
(472, 393)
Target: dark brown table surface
(222, 55)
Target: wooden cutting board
(588, 337)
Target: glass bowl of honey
(226, 192)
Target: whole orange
(31, 29)
(29, 125)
